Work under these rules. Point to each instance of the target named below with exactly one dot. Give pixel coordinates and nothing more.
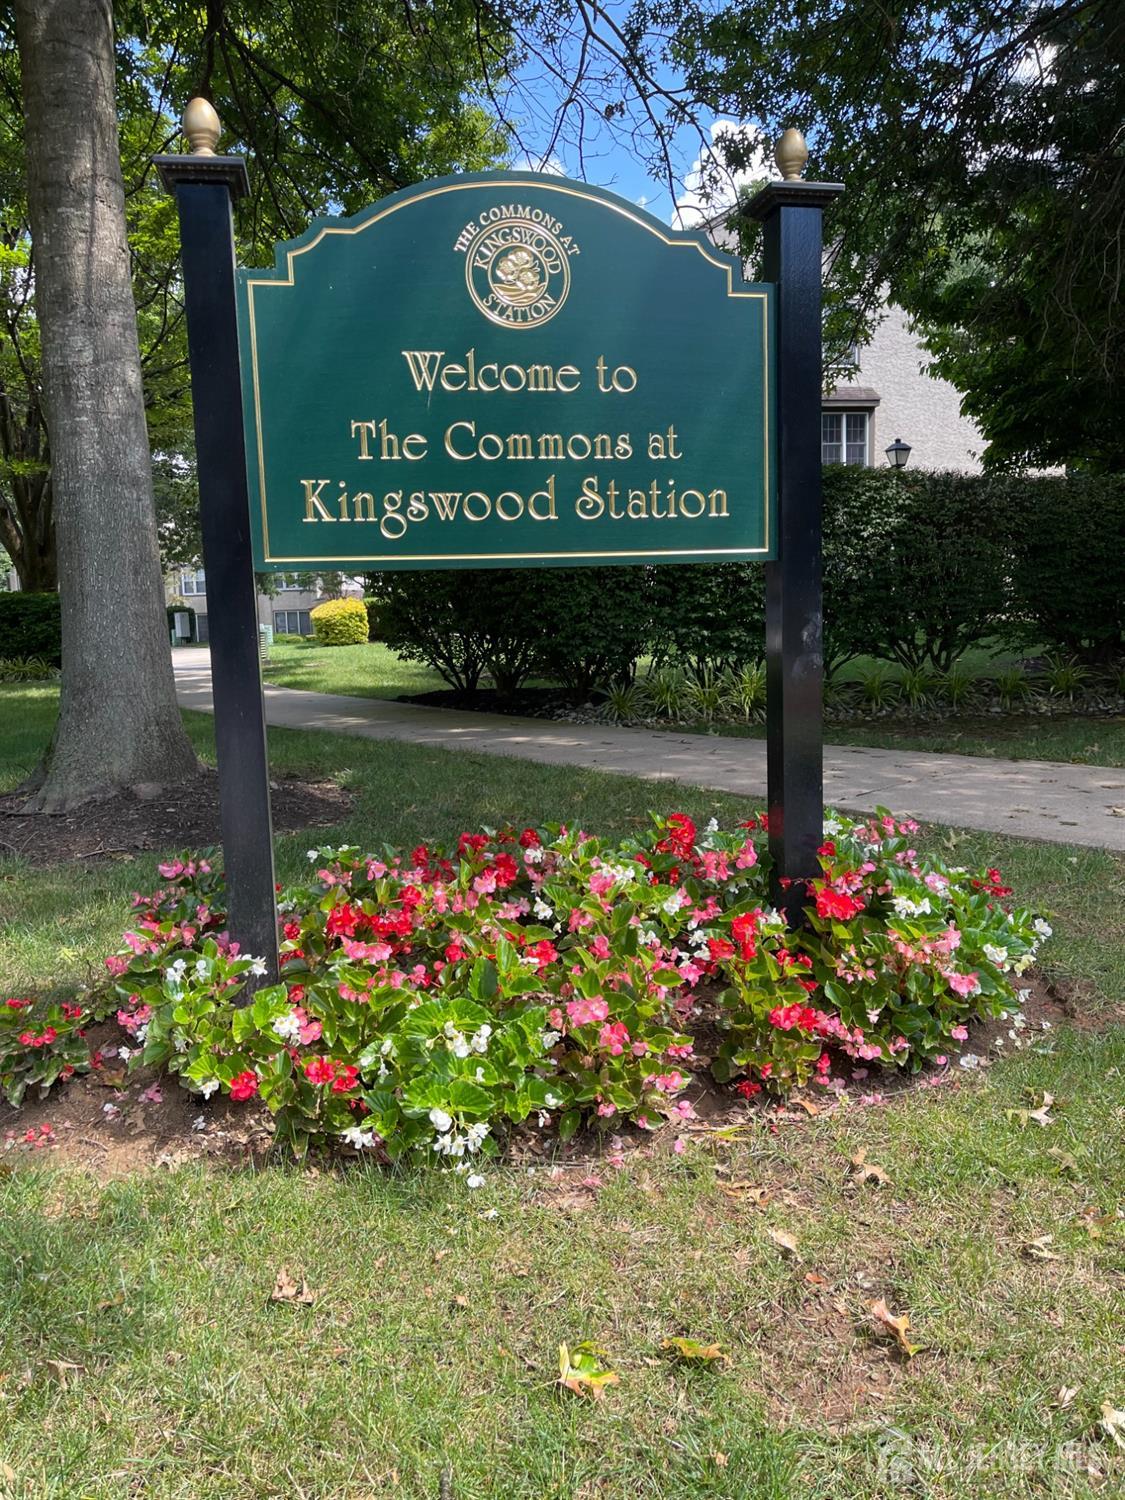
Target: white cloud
(551, 165)
(710, 185)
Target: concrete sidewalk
(1027, 798)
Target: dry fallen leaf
(759, 1196)
(720, 1460)
(1066, 1162)
(868, 1171)
(814, 1278)
(460, 1300)
(1038, 1249)
(1112, 1423)
(1066, 1395)
(691, 1350)
(65, 1371)
(898, 1326)
(1095, 1222)
(288, 1289)
(807, 1105)
(783, 1241)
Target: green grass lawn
(192, 1385)
(374, 671)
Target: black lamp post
(898, 453)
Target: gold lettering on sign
(313, 500)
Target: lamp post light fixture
(898, 453)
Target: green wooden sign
(506, 370)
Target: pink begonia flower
(963, 984)
(678, 1146)
(941, 1060)
(614, 1038)
(599, 946)
(116, 965)
(605, 1108)
(746, 857)
(586, 1012)
(960, 1033)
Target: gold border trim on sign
(623, 209)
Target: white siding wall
(923, 411)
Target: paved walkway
(1029, 798)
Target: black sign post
(205, 186)
(792, 213)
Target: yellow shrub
(340, 622)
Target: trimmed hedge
(918, 567)
(340, 622)
(30, 626)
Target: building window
(193, 583)
(291, 622)
(843, 437)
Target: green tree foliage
(333, 102)
(981, 145)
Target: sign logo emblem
(517, 265)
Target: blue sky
(608, 160)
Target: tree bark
(119, 723)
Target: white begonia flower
(362, 1140)
(479, 1042)
(548, 1039)
(1043, 929)
(208, 1088)
(995, 955)
(202, 968)
(440, 1120)
(969, 1060)
(675, 901)
(258, 966)
(288, 1027)
(387, 1048)
(552, 1101)
(476, 1134)
(141, 1034)
(533, 856)
(474, 1180)
(199, 1123)
(479, 1075)
(180, 1043)
(312, 854)
(542, 1119)
(124, 1054)
(832, 826)
(543, 911)
(459, 1045)
(177, 970)
(712, 826)
(905, 907)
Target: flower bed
(430, 1000)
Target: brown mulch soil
(182, 816)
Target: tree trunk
(118, 720)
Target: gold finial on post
(201, 126)
(791, 154)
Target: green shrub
(583, 627)
(709, 615)
(1068, 565)
(340, 622)
(30, 626)
(376, 618)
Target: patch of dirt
(182, 816)
(112, 1130)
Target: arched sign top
(506, 369)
